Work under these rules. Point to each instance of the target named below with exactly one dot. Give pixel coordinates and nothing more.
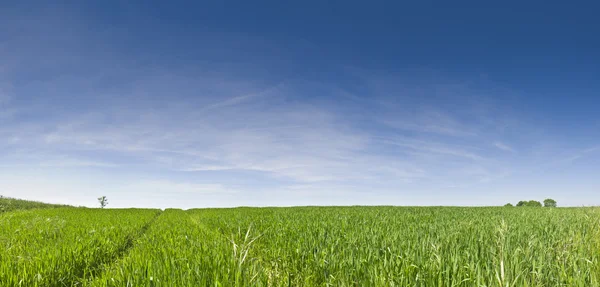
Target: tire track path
(99, 266)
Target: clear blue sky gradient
(220, 103)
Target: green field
(302, 246)
(9, 204)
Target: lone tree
(103, 201)
(508, 205)
(549, 202)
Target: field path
(66, 246)
(120, 253)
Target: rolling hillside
(10, 204)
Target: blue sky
(218, 103)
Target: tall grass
(64, 246)
(178, 250)
(9, 204)
(365, 246)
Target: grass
(10, 204)
(303, 246)
(365, 246)
(64, 246)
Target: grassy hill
(10, 204)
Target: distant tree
(508, 205)
(531, 203)
(103, 201)
(549, 202)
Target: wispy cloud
(504, 147)
(222, 122)
(244, 98)
(276, 143)
(432, 121)
(278, 136)
(579, 154)
(434, 148)
(163, 187)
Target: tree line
(548, 202)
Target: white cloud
(504, 147)
(163, 187)
(576, 155)
(277, 136)
(432, 121)
(242, 133)
(244, 98)
(274, 141)
(434, 147)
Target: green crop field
(9, 204)
(302, 246)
